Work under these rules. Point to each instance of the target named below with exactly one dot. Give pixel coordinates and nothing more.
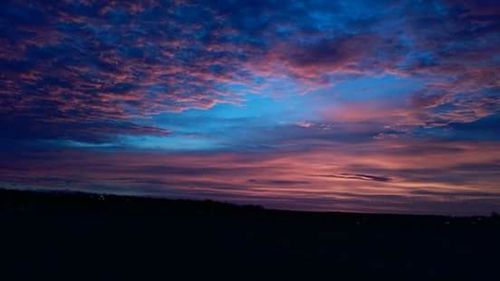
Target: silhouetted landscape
(364, 134)
(68, 235)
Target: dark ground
(84, 236)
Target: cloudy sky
(365, 106)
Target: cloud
(358, 177)
(409, 176)
(83, 62)
(90, 61)
(94, 74)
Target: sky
(355, 105)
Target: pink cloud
(337, 173)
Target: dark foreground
(82, 236)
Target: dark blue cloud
(117, 60)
